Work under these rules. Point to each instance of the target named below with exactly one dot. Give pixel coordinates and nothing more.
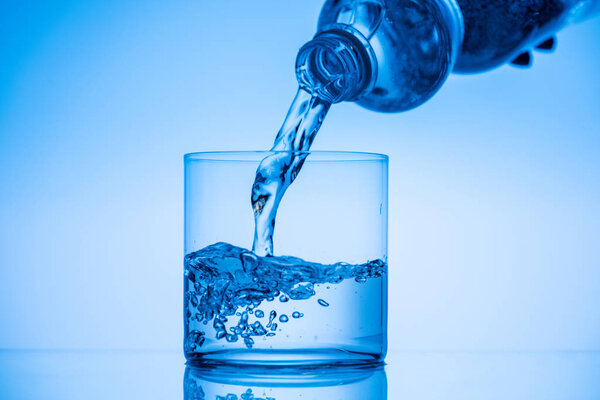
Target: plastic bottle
(393, 55)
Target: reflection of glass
(327, 307)
(285, 383)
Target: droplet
(283, 318)
(259, 313)
(297, 314)
(283, 298)
(323, 303)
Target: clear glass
(330, 309)
(364, 383)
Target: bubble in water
(258, 329)
(297, 314)
(323, 303)
(231, 338)
(247, 395)
(221, 334)
(302, 291)
(194, 340)
(283, 318)
(259, 314)
(272, 316)
(283, 298)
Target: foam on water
(225, 285)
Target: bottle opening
(334, 66)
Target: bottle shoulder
(414, 44)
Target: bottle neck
(336, 65)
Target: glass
(364, 383)
(330, 309)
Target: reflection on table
(284, 383)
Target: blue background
(494, 193)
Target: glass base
(282, 358)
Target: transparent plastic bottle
(393, 55)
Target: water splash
(226, 284)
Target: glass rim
(258, 155)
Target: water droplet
(259, 313)
(323, 303)
(297, 314)
(283, 318)
(283, 298)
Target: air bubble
(231, 338)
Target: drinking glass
(322, 297)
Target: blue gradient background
(494, 184)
